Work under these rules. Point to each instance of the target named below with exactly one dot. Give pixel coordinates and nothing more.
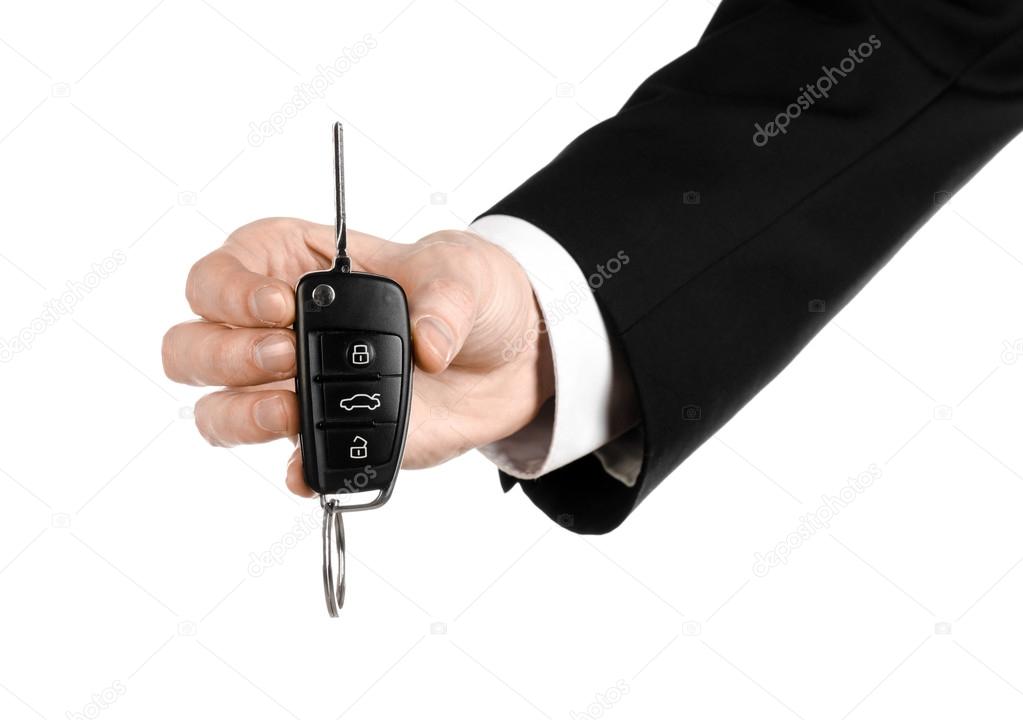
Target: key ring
(333, 555)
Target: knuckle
(215, 358)
(243, 233)
(451, 238)
(291, 230)
(227, 300)
(279, 225)
(299, 232)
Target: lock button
(358, 447)
(359, 354)
(364, 353)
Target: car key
(354, 384)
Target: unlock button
(358, 447)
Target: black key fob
(353, 381)
(354, 386)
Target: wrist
(533, 382)
(526, 366)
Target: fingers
(201, 353)
(320, 241)
(368, 251)
(295, 480)
(245, 289)
(235, 417)
(221, 289)
(225, 286)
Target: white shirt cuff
(594, 401)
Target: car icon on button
(361, 401)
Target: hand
(482, 363)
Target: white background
(126, 544)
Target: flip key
(354, 384)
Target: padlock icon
(358, 449)
(360, 354)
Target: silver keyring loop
(333, 556)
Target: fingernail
(436, 335)
(268, 305)
(271, 415)
(275, 354)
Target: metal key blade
(340, 220)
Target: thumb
(443, 304)
(443, 310)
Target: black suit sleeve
(756, 184)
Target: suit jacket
(756, 184)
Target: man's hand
(483, 365)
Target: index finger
(221, 289)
